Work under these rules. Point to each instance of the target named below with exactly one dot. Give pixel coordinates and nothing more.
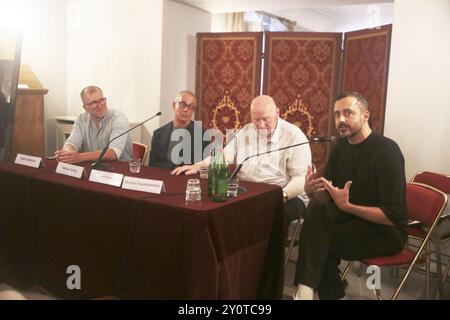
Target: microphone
(313, 139)
(322, 139)
(97, 163)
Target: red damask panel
(227, 77)
(301, 72)
(365, 68)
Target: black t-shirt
(376, 168)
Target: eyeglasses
(95, 103)
(184, 105)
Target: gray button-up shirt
(85, 136)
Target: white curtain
(236, 22)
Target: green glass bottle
(221, 178)
(211, 174)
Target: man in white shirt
(93, 129)
(286, 168)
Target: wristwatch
(285, 196)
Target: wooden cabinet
(28, 130)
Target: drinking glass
(135, 165)
(193, 192)
(232, 188)
(204, 172)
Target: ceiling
(224, 6)
(313, 15)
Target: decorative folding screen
(228, 77)
(301, 73)
(365, 68)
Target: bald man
(286, 168)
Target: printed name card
(70, 170)
(145, 185)
(111, 178)
(29, 161)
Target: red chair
(425, 204)
(442, 231)
(140, 151)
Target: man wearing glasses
(178, 141)
(93, 129)
(286, 168)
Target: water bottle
(220, 168)
(211, 174)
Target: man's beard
(350, 132)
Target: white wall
(219, 22)
(44, 49)
(116, 45)
(180, 25)
(418, 101)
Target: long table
(137, 245)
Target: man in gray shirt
(93, 129)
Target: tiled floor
(358, 290)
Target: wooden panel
(228, 77)
(26, 76)
(365, 69)
(28, 131)
(301, 72)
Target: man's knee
(294, 209)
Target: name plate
(29, 161)
(145, 185)
(70, 170)
(111, 178)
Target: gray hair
(180, 95)
(89, 89)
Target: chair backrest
(436, 180)
(424, 202)
(140, 151)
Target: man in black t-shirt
(358, 209)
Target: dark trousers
(293, 209)
(329, 235)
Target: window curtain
(236, 22)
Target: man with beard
(358, 209)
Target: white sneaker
(303, 293)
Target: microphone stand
(314, 139)
(97, 164)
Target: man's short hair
(89, 89)
(180, 95)
(362, 102)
